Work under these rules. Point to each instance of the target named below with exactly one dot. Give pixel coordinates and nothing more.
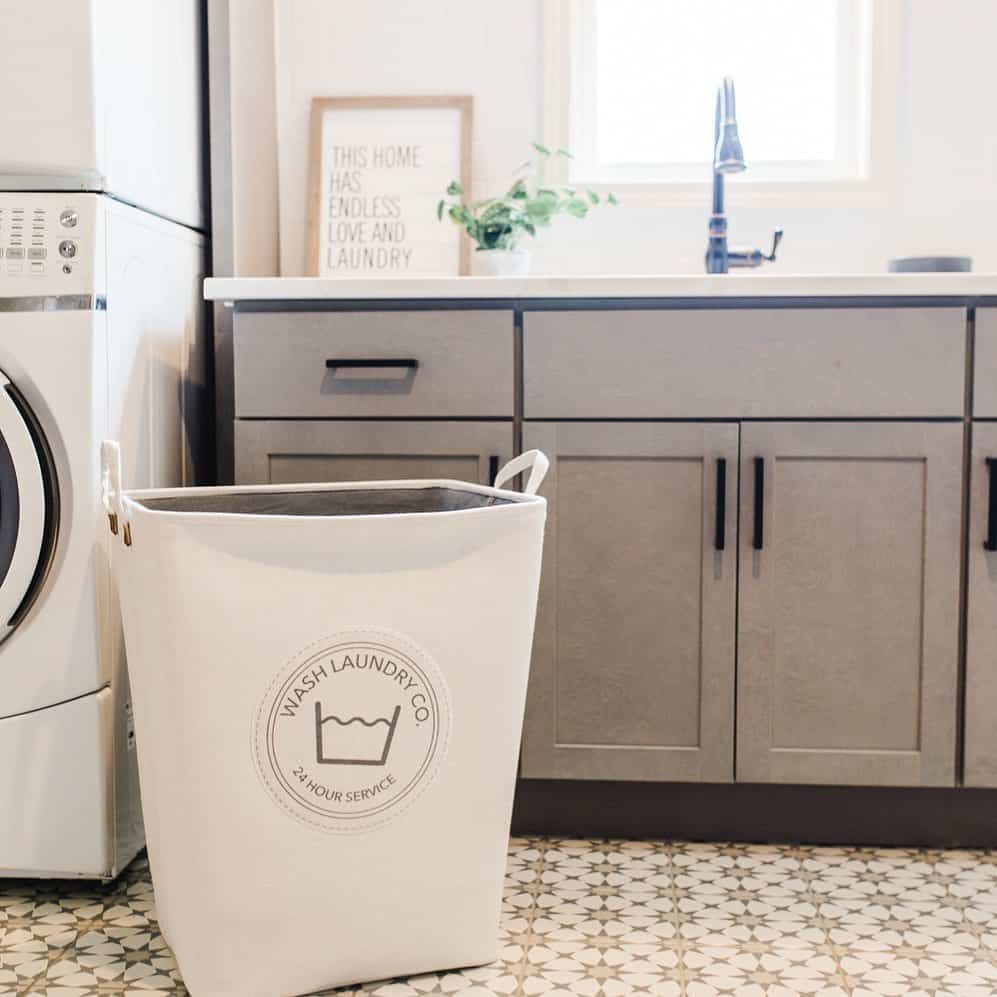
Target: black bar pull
(335, 363)
(991, 542)
(758, 539)
(493, 469)
(720, 530)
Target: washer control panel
(46, 243)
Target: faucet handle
(776, 239)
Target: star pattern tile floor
(605, 919)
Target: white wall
(941, 200)
(255, 221)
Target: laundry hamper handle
(534, 461)
(110, 482)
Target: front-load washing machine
(100, 337)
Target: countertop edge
(844, 286)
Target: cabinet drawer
(752, 363)
(311, 364)
(286, 450)
(985, 374)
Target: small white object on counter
(672, 286)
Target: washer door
(29, 507)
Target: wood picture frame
(380, 222)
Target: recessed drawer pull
(991, 542)
(372, 363)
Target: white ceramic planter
(502, 262)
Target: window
(642, 77)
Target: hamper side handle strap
(110, 487)
(534, 461)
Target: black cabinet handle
(991, 542)
(720, 529)
(758, 538)
(377, 363)
(493, 469)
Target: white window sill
(745, 191)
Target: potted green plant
(498, 224)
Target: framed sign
(379, 165)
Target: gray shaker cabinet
(848, 631)
(633, 664)
(981, 594)
(981, 625)
(845, 619)
(285, 451)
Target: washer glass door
(29, 507)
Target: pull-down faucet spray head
(728, 156)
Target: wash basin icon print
(353, 740)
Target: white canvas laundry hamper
(328, 684)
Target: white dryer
(105, 95)
(99, 317)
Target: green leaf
(537, 209)
(439, 210)
(576, 207)
(611, 198)
(454, 189)
(497, 213)
(565, 153)
(460, 216)
(542, 149)
(593, 196)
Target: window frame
(866, 171)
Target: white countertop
(678, 286)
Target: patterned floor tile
(604, 919)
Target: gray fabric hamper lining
(345, 502)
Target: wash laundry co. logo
(352, 730)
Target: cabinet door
(981, 601)
(284, 451)
(848, 627)
(633, 663)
